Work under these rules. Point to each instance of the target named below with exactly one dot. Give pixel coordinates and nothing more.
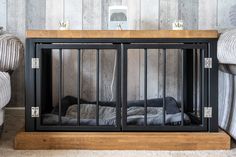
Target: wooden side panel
(122, 141)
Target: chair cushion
(11, 52)
(5, 89)
(228, 68)
(226, 46)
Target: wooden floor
(122, 140)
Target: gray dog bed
(107, 114)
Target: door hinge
(35, 63)
(208, 63)
(207, 112)
(34, 112)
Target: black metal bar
(78, 88)
(60, 86)
(97, 87)
(88, 128)
(133, 46)
(145, 87)
(164, 86)
(204, 88)
(188, 105)
(183, 99)
(122, 40)
(167, 46)
(195, 73)
(124, 86)
(38, 88)
(213, 87)
(208, 78)
(30, 76)
(77, 46)
(118, 87)
(192, 128)
(46, 80)
(130, 128)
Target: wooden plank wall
(3, 11)
(17, 16)
(16, 24)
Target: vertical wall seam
(82, 27)
(217, 12)
(197, 14)
(6, 16)
(45, 14)
(26, 8)
(159, 16)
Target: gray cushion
(11, 52)
(228, 68)
(5, 89)
(226, 52)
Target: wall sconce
(117, 18)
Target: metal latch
(208, 63)
(34, 112)
(35, 63)
(207, 112)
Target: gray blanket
(107, 116)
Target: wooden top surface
(122, 34)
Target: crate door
(77, 88)
(165, 87)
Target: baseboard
(14, 108)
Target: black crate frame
(123, 44)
